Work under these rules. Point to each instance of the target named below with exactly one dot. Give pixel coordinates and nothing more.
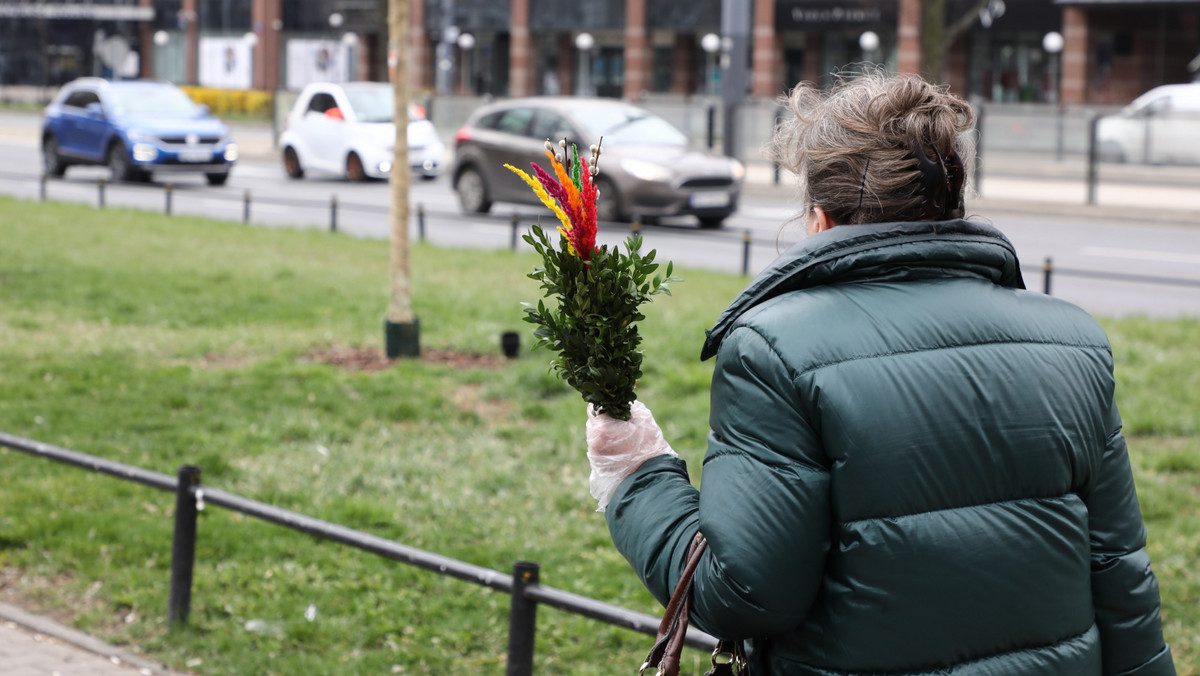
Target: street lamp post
(161, 39)
(1053, 43)
(711, 44)
(584, 42)
(466, 42)
(350, 40)
(868, 42)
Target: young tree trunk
(401, 326)
(400, 308)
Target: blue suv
(135, 127)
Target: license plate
(709, 200)
(195, 156)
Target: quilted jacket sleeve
(1124, 589)
(763, 505)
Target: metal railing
(191, 497)
(743, 241)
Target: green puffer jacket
(914, 467)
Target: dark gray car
(648, 168)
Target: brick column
(1073, 87)
(568, 62)
(812, 58)
(765, 58)
(908, 30)
(520, 53)
(266, 17)
(146, 42)
(683, 64)
(637, 56)
(956, 65)
(419, 70)
(190, 42)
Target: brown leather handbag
(729, 658)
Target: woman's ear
(819, 221)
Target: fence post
(712, 125)
(246, 207)
(1047, 272)
(1060, 143)
(333, 213)
(42, 188)
(515, 220)
(746, 253)
(167, 190)
(183, 548)
(421, 221)
(100, 183)
(1092, 157)
(522, 621)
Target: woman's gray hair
(857, 150)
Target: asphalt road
(1086, 253)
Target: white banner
(311, 61)
(226, 63)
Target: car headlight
(142, 137)
(646, 171)
(737, 169)
(231, 152)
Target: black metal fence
(740, 243)
(191, 496)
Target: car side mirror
(203, 109)
(95, 110)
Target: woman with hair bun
(915, 466)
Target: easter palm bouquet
(593, 325)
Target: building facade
(1073, 51)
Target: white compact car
(347, 129)
(1161, 126)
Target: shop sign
(39, 10)
(803, 15)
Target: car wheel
(711, 222)
(608, 203)
(354, 168)
(118, 164)
(52, 162)
(473, 192)
(217, 178)
(291, 163)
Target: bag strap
(668, 644)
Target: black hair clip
(941, 182)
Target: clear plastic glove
(618, 447)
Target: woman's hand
(618, 447)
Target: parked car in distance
(348, 130)
(137, 128)
(648, 167)
(1161, 126)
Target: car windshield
(161, 101)
(372, 104)
(628, 126)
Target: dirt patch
(38, 595)
(374, 359)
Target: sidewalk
(31, 645)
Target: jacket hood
(878, 252)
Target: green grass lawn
(159, 341)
